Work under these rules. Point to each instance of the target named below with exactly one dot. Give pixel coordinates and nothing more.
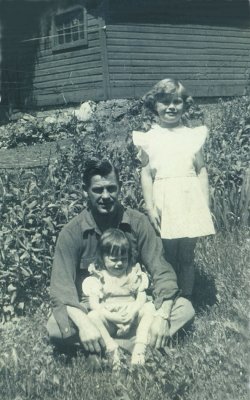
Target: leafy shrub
(35, 206)
(227, 156)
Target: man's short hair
(94, 167)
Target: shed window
(70, 29)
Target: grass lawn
(210, 362)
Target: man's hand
(90, 337)
(159, 332)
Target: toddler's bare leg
(102, 324)
(111, 346)
(145, 317)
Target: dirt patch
(32, 156)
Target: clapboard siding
(93, 52)
(91, 62)
(75, 73)
(206, 44)
(159, 44)
(218, 65)
(138, 89)
(87, 92)
(180, 37)
(210, 60)
(173, 57)
(92, 75)
(187, 29)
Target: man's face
(103, 193)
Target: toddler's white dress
(115, 293)
(177, 192)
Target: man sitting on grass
(76, 250)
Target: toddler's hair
(114, 243)
(166, 87)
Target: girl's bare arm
(147, 186)
(202, 174)
(147, 191)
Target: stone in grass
(85, 111)
(15, 116)
(50, 120)
(28, 117)
(11, 288)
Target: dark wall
(178, 10)
(205, 44)
(20, 26)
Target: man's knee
(183, 310)
(53, 328)
(187, 309)
(182, 315)
(54, 331)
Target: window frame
(72, 44)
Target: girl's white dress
(177, 193)
(115, 293)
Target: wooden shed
(102, 49)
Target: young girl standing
(117, 297)
(174, 178)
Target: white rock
(28, 117)
(50, 120)
(85, 111)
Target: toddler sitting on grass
(117, 297)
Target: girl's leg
(145, 318)
(185, 276)
(171, 252)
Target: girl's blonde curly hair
(166, 87)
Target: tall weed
(227, 155)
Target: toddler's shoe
(114, 359)
(138, 354)
(138, 359)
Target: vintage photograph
(124, 199)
